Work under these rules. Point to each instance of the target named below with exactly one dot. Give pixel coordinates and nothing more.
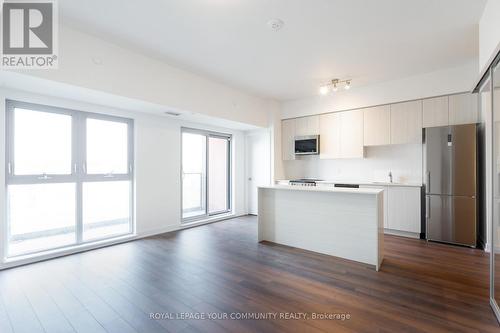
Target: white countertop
(326, 182)
(324, 189)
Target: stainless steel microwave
(307, 145)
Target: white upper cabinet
(406, 122)
(351, 134)
(464, 109)
(329, 139)
(345, 134)
(341, 135)
(288, 139)
(435, 112)
(307, 126)
(377, 126)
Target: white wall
(489, 33)
(443, 82)
(258, 164)
(404, 161)
(157, 162)
(123, 72)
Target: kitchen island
(342, 222)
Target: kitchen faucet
(390, 176)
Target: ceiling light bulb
(323, 90)
(335, 88)
(347, 85)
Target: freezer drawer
(451, 219)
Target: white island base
(346, 223)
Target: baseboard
(182, 226)
(89, 247)
(415, 235)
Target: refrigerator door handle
(428, 207)
(428, 182)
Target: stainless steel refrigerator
(451, 184)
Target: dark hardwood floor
(221, 269)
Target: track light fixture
(333, 85)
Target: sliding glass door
(69, 177)
(206, 174)
(194, 175)
(218, 174)
(489, 92)
(494, 101)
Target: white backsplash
(404, 161)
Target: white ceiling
(229, 41)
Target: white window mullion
(79, 148)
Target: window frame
(208, 134)
(78, 174)
(10, 177)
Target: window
(106, 209)
(42, 142)
(218, 175)
(69, 177)
(206, 170)
(194, 148)
(107, 147)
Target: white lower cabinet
(404, 209)
(401, 209)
